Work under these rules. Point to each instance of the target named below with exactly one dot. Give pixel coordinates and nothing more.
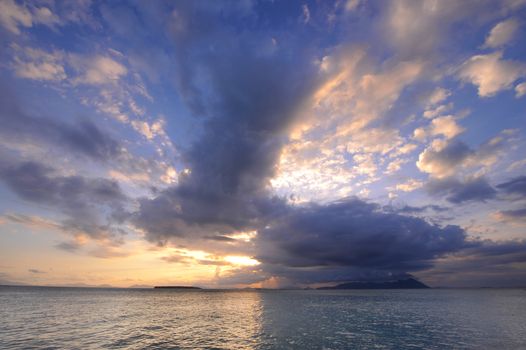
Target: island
(409, 283)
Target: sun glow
(244, 236)
(241, 260)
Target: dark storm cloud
(77, 197)
(514, 215)
(455, 191)
(220, 238)
(357, 235)
(36, 182)
(247, 106)
(83, 138)
(515, 187)
(504, 252)
(409, 209)
(483, 262)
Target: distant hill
(176, 287)
(409, 283)
(140, 286)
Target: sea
(91, 318)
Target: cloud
(425, 28)
(226, 188)
(69, 141)
(422, 28)
(512, 216)
(306, 13)
(490, 73)
(310, 172)
(190, 260)
(70, 246)
(36, 64)
(437, 96)
(355, 94)
(15, 15)
(99, 70)
(395, 166)
(483, 263)
(149, 130)
(83, 138)
(36, 271)
(35, 182)
(520, 90)
(80, 199)
(351, 237)
(352, 5)
(340, 140)
(272, 109)
(435, 112)
(412, 27)
(231, 164)
(408, 209)
(455, 191)
(45, 16)
(116, 90)
(442, 126)
(443, 158)
(409, 185)
(113, 91)
(32, 221)
(12, 16)
(502, 33)
(516, 187)
(445, 126)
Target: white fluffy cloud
(13, 16)
(336, 150)
(435, 112)
(446, 126)
(444, 158)
(36, 64)
(520, 90)
(502, 33)
(149, 130)
(351, 5)
(438, 95)
(409, 186)
(490, 73)
(102, 70)
(442, 126)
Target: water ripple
(77, 318)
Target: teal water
(82, 318)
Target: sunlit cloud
(241, 260)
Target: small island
(176, 287)
(409, 283)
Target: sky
(262, 143)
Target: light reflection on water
(74, 318)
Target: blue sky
(262, 143)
